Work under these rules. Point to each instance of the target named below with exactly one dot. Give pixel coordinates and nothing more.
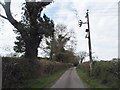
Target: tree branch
(9, 15)
(2, 4)
(4, 8)
(3, 17)
(19, 26)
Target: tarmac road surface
(69, 79)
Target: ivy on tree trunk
(32, 27)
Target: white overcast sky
(103, 16)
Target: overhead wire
(108, 12)
(111, 11)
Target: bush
(17, 70)
(105, 71)
(76, 63)
(85, 67)
(49, 67)
(66, 57)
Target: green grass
(92, 83)
(45, 81)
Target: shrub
(66, 57)
(49, 67)
(17, 70)
(105, 71)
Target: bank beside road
(104, 74)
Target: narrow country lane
(69, 79)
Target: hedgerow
(17, 70)
(105, 71)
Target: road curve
(69, 79)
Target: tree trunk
(31, 50)
(31, 46)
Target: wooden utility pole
(89, 42)
(89, 39)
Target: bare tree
(82, 55)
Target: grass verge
(46, 81)
(92, 83)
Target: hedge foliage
(105, 71)
(17, 70)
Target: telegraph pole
(89, 42)
(89, 39)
